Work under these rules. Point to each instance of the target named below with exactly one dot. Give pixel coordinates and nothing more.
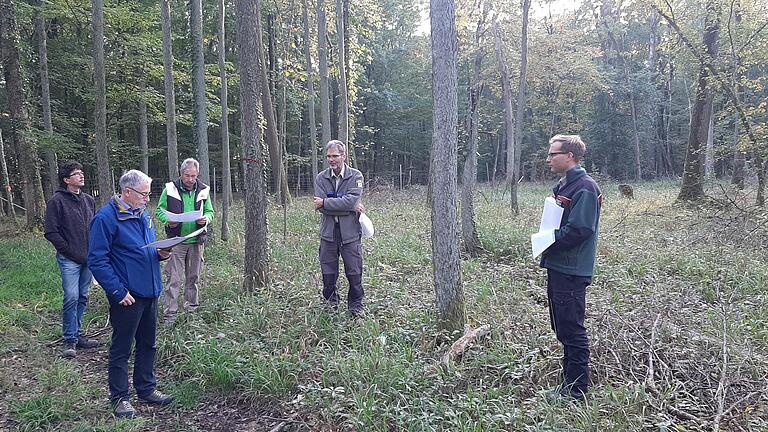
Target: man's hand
(318, 202)
(360, 208)
(128, 300)
(173, 224)
(164, 253)
(202, 221)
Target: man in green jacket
(185, 194)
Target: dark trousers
(137, 321)
(567, 304)
(352, 254)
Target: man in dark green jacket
(570, 260)
(185, 194)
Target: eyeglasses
(143, 194)
(553, 154)
(334, 156)
(80, 173)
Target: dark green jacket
(575, 247)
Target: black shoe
(157, 398)
(124, 409)
(85, 343)
(357, 312)
(69, 350)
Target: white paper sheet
(184, 217)
(366, 225)
(541, 241)
(551, 216)
(173, 241)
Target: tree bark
(252, 74)
(446, 257)
(226, 178)
(520, 112)
(310, 90)
(6, 181)
(509, 122)
(45, 93)
(143, 141)
(709, 154)
(322, 54)
(170, 98)
(199, 98)
(100, 111)
(343, 135)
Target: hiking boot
(124, 408)
(69, 350)
(357, 312)
(157, 397)
(85, 343)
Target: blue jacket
(116, 257)
(573, 252)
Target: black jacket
(67, 223)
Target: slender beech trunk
(509, 122)
(226, 177)
(143, 141)
(170, 97)
(310, 90)
(45, 92)
(446, 256)
(322, 54)
(343, 135)
(199, 98)
(6, 180)
(520, 110)
(100, 110)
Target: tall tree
(315, 168)
(520, 111)
(143, 141)
(256, 260)
(343, 135)
(226, 178)
(26, 148)
(100, 110)
(446, 256)
(693, 179)
(509, 122)
(170, 93)
(5, 180)
(45, 99)
(322, 54)
(200, 100)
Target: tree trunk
(520, 112)
(310, 90)
(468, 226)
(45, 91)
(709, 154)
(170, 98)
(322, 54)
(693, 181)
(100, 111)
(446, 257)
(199, 98)
(6, 181)
(635, 130)
(252, 74)
(343, 135)
(739, 156)
(226, 178)
(509, 123)
(143, 141)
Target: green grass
(277, 349)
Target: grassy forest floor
(679, 292)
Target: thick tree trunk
(520, 112)
(226, 178)
(509, 122)
(199, 98)
(343, 135)
(170, 98)
(100, 111)
(315, 167)
(143, 141)
(446, 257)
(45, 92)
(693, 181)
(322, 54)
(252, 74)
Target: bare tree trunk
(199, 98)
(226, 177)
(322, 54)
(170, 97)
(6, 181)
(45, 91)
(310, 90)
(636, 132)
(343, 135)
(446, 256)
(739, 156)
(520, 113)
(739, 159)
(143, 142)
(509, 122)
(100, 111)
(252, 81)
(709, 154)
(693, 181)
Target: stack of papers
(551, 217)
(173, 241)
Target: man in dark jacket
(338, 190)
(570, 260)
(129, 273)
(67, 219)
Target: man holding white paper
(184, 207)
(570, 260)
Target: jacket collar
(571, 176)
(123, 211)
(345, 170)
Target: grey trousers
(352, 255)
(184, 267)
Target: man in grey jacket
(338, 190)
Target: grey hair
(134, 179)
(188, 163)
(337, 144)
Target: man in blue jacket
(129, 273)
(570, 260)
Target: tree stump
(626, 191)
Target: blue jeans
(76, 282)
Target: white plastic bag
(366, 225)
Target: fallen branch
(458, 347)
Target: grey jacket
(340, 202)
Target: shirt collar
(341, 173)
